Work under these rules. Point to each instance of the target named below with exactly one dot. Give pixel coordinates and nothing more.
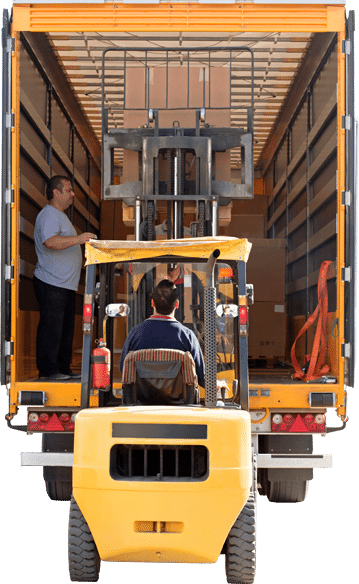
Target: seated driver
(163, 331)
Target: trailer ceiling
(277, 58)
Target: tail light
(243, 315)
(51, 421)
(87, 313)
(299, 423)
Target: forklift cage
(167, 59)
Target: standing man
(56, 279)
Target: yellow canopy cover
(107, 251)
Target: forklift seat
(159, 377)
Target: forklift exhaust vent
(156, 462)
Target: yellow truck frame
(178, 17)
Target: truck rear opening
(176, 129)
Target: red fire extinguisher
(101, 364)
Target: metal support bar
(47, 459)
(243, 395)
(294, 460)
(87, 341)
(210, 350)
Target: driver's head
(165, 297)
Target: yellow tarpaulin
(108, 251)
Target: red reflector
(54, 424)
(298, 425)
(87, 313)
(242, 315)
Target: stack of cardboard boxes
(267, 316)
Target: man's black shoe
(73, 375)
(54, 377)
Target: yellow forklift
(165, 482)
(169, 478)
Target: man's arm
(65, 241)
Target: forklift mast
(175, 164)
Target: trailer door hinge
(346, 123)
(10, 196)
(9, 348)
(346, 47)
(346, 350)
(9, 272)
(10, 120)
(10, 47)
(346, 197)
(346, 274)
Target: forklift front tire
(84, 559)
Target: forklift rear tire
(84, 559)
(287, 492)
(241, 546)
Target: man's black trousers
(56, 328)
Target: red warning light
(87, 313)
(243, 315)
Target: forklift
(172, 481)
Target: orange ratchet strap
(316, 358)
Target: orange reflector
(225, 274)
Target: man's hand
(66, 241)
(220, 338)
(222, 387)
(85, 237)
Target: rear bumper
(263, 460)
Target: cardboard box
(266, 269)
(248, 226)
(267, 329)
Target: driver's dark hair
(55, 182)
(165, 296)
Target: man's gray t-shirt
(59, 267)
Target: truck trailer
(219, 140)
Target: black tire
(84, 559)
(58, 479)
(285, 485)
(287, 492)
(59, 483)
(241, 546)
